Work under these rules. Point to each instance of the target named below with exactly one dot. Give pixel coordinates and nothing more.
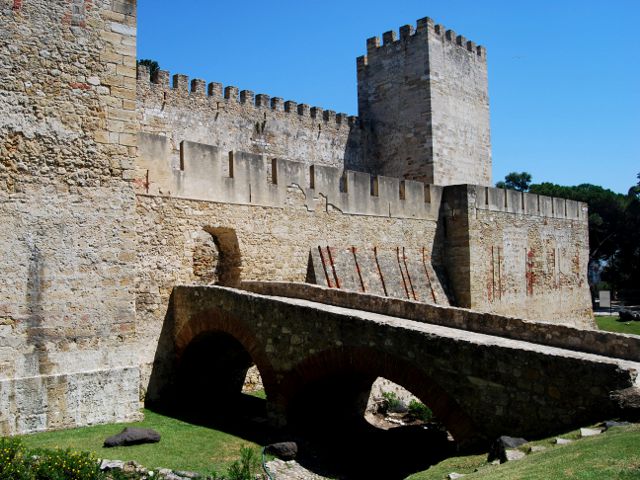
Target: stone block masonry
(207, 172)
(518, 254)
(423, 102)
(273, 242)
(232, 120)
(477, 385)
(391, 272)
(67, 206)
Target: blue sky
(564, 75)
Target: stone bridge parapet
(608, 344)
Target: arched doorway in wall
(216, 257)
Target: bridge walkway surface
(457, 334)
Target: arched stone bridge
(479, 385)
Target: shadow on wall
(229, 265)
(326, 399)
(355, 154)
(163, 370)
(216, 260)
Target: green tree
(606, 214)
(516, 181)
(152, 64)
(624, 269)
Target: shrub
(246, 468)
(14, 463)
(18, 463)
(66, 465)
(392, 403)
(420, 411)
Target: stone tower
(424, 105)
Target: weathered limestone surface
(230, 186)
(206, 172)
(391, 272)
(423, 101)
(524, 255)
(598, 342)
(273, 243)
(251, 123)
(67, 144)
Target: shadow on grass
(343, 449)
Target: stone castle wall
(518, 254)
(423, 102)
(273, 243)
(232, 120)
(67, 208)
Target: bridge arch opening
(212, 370)
(327, 397)
(214, 350)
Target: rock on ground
(512, 454)
(106, 465)
(499, 447)
(612, 423)
(290, 470)
(132, 436)
(537, 448)
(563, 441)
(628, 315)
(283, 450)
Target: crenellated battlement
(512, 201)
(423, 27)
(179, 84)
(209, 173)
(206, 172)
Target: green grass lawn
(613, 455)
(183, 446)
(611, 324)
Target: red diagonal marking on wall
(355, 259)
(404, 281)
(333, 267)
(426, 271)
(375, 255)
(324, 267)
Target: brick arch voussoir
(377, 363)
(215, 320)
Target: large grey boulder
(627, 315)
(498, 450)
(132, 436)
(283, 450)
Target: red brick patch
(17, 5)
(81, 86)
